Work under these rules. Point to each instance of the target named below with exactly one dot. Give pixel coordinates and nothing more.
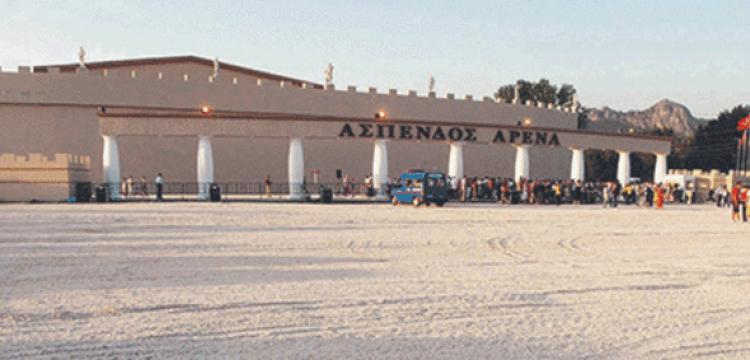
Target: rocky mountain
(665, 114)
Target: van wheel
(416, 202)
(440, 204)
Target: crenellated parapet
(187, 85)
(38, 177)
(37, 167)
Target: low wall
(38, 177)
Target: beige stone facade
(37, 177)
(151, 106)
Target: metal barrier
(191, 190)
(140, 191)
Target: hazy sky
(627, 54)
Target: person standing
(455, 183)
(143, 186)
(504, 192)
(719, 194)
(159, 181)
(124, 187)
(557, 188)
(490, 188)
(369, 188)
(617, 191)
(129, 183)
(650, 195)
(462, 189)
(659, 191)
(736, 202)
(606, 190)
(352, 186)
(575, 189)
(267, 185)
(474, 188)
(743, 202)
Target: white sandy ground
(256, 281)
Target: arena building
(202, 121)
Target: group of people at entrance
(642, 194)
(547, 191)
(502, 190)
(130, 189)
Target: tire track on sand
(570, 244)
(648, 347)
(507, 246)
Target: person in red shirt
(736, 202)
(659, 195)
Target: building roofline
(109, 64)
(143, 112)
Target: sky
(625, 54)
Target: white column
(577, 165)
(623, 167)
(111, 166)
(660, 169)
(522, 162)
(380, 169)
(456, 161)
(296, 169)
(205, 166)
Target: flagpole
(744, 153)
(737, 155)
(741, 167)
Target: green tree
(525, 90)
(601, 165)
(541, 90)
(715, 144)
(505, 93)
(642, 166)
(565, 95)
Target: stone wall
(38, 177)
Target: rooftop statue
(329, 74)
(81, 58)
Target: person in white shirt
(159, 187)
(462, 188)
(720, 195)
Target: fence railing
(125, 191)
(140, 191)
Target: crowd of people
(545, 191)
(558, 192)
(509, 191)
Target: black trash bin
(101, 194)
(214, 192)
(83, 192)
(515, 197)
(326, 195)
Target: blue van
(419, 187)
